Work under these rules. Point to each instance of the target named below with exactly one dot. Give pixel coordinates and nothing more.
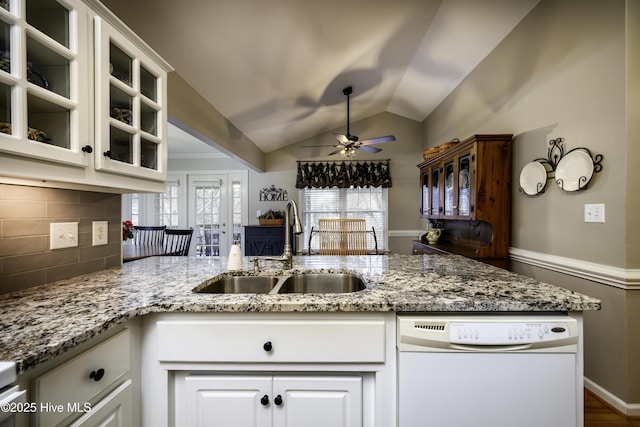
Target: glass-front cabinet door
(43, 81)
(464, 185)
(435, 192)
(424, 193)
(130, 107)
(449, 189)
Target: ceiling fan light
(348, 152)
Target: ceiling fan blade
(369, 149)
(314, 146)
(341, 138)
(335, 152)
(378, 140)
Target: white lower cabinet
(94, 388)
(269, 370)
(271, 401)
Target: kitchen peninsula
(39, 326)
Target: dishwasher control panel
(506, 333)
(474, 332)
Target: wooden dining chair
(177, 242)
(148, 235)
(342, 237)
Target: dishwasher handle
(489, 348)
(422, 344)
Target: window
(369, 203)
(166, 206)
(135, 209)
(237, 202)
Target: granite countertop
(41, 323)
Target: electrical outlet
(63, 235)
(594, 213)
(100, 233)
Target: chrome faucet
(287, 254)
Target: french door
(217, 209)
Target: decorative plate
(533, 178)
(574, 170)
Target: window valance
(357, 173)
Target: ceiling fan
(349, 145)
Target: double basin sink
(285, 284)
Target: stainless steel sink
(241, 285)
(322, 283)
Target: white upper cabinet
(83, 101)
(44, 104)
(130, 107)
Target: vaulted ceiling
(276, 68)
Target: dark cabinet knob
(278, 400)
(87, 149)
(107, 153)
(268, 346)
(265, 400)
(97, 375)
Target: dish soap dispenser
(235, 257)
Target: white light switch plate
(63, 235)
(100, 232)
(594, 213)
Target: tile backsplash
(25, 215)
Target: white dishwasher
(489, 371)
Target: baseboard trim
(628, 409)
(612, 276)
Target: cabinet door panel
(464, 185)
(424, 195)
(115, 410)
(436, 186)
(130, 108)
(75, 380)
(450, 206)
(318, 401)
(265, 240)
(227, 401)
(44, 111)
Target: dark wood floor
(599, 414)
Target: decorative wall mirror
(572, 170)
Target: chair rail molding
(613, 276)
(406, 233)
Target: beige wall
(188, 110)
(565, 72)
(25, 215)
(633, 133)
(559, 74)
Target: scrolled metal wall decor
(571, 171)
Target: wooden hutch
(465, 190)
